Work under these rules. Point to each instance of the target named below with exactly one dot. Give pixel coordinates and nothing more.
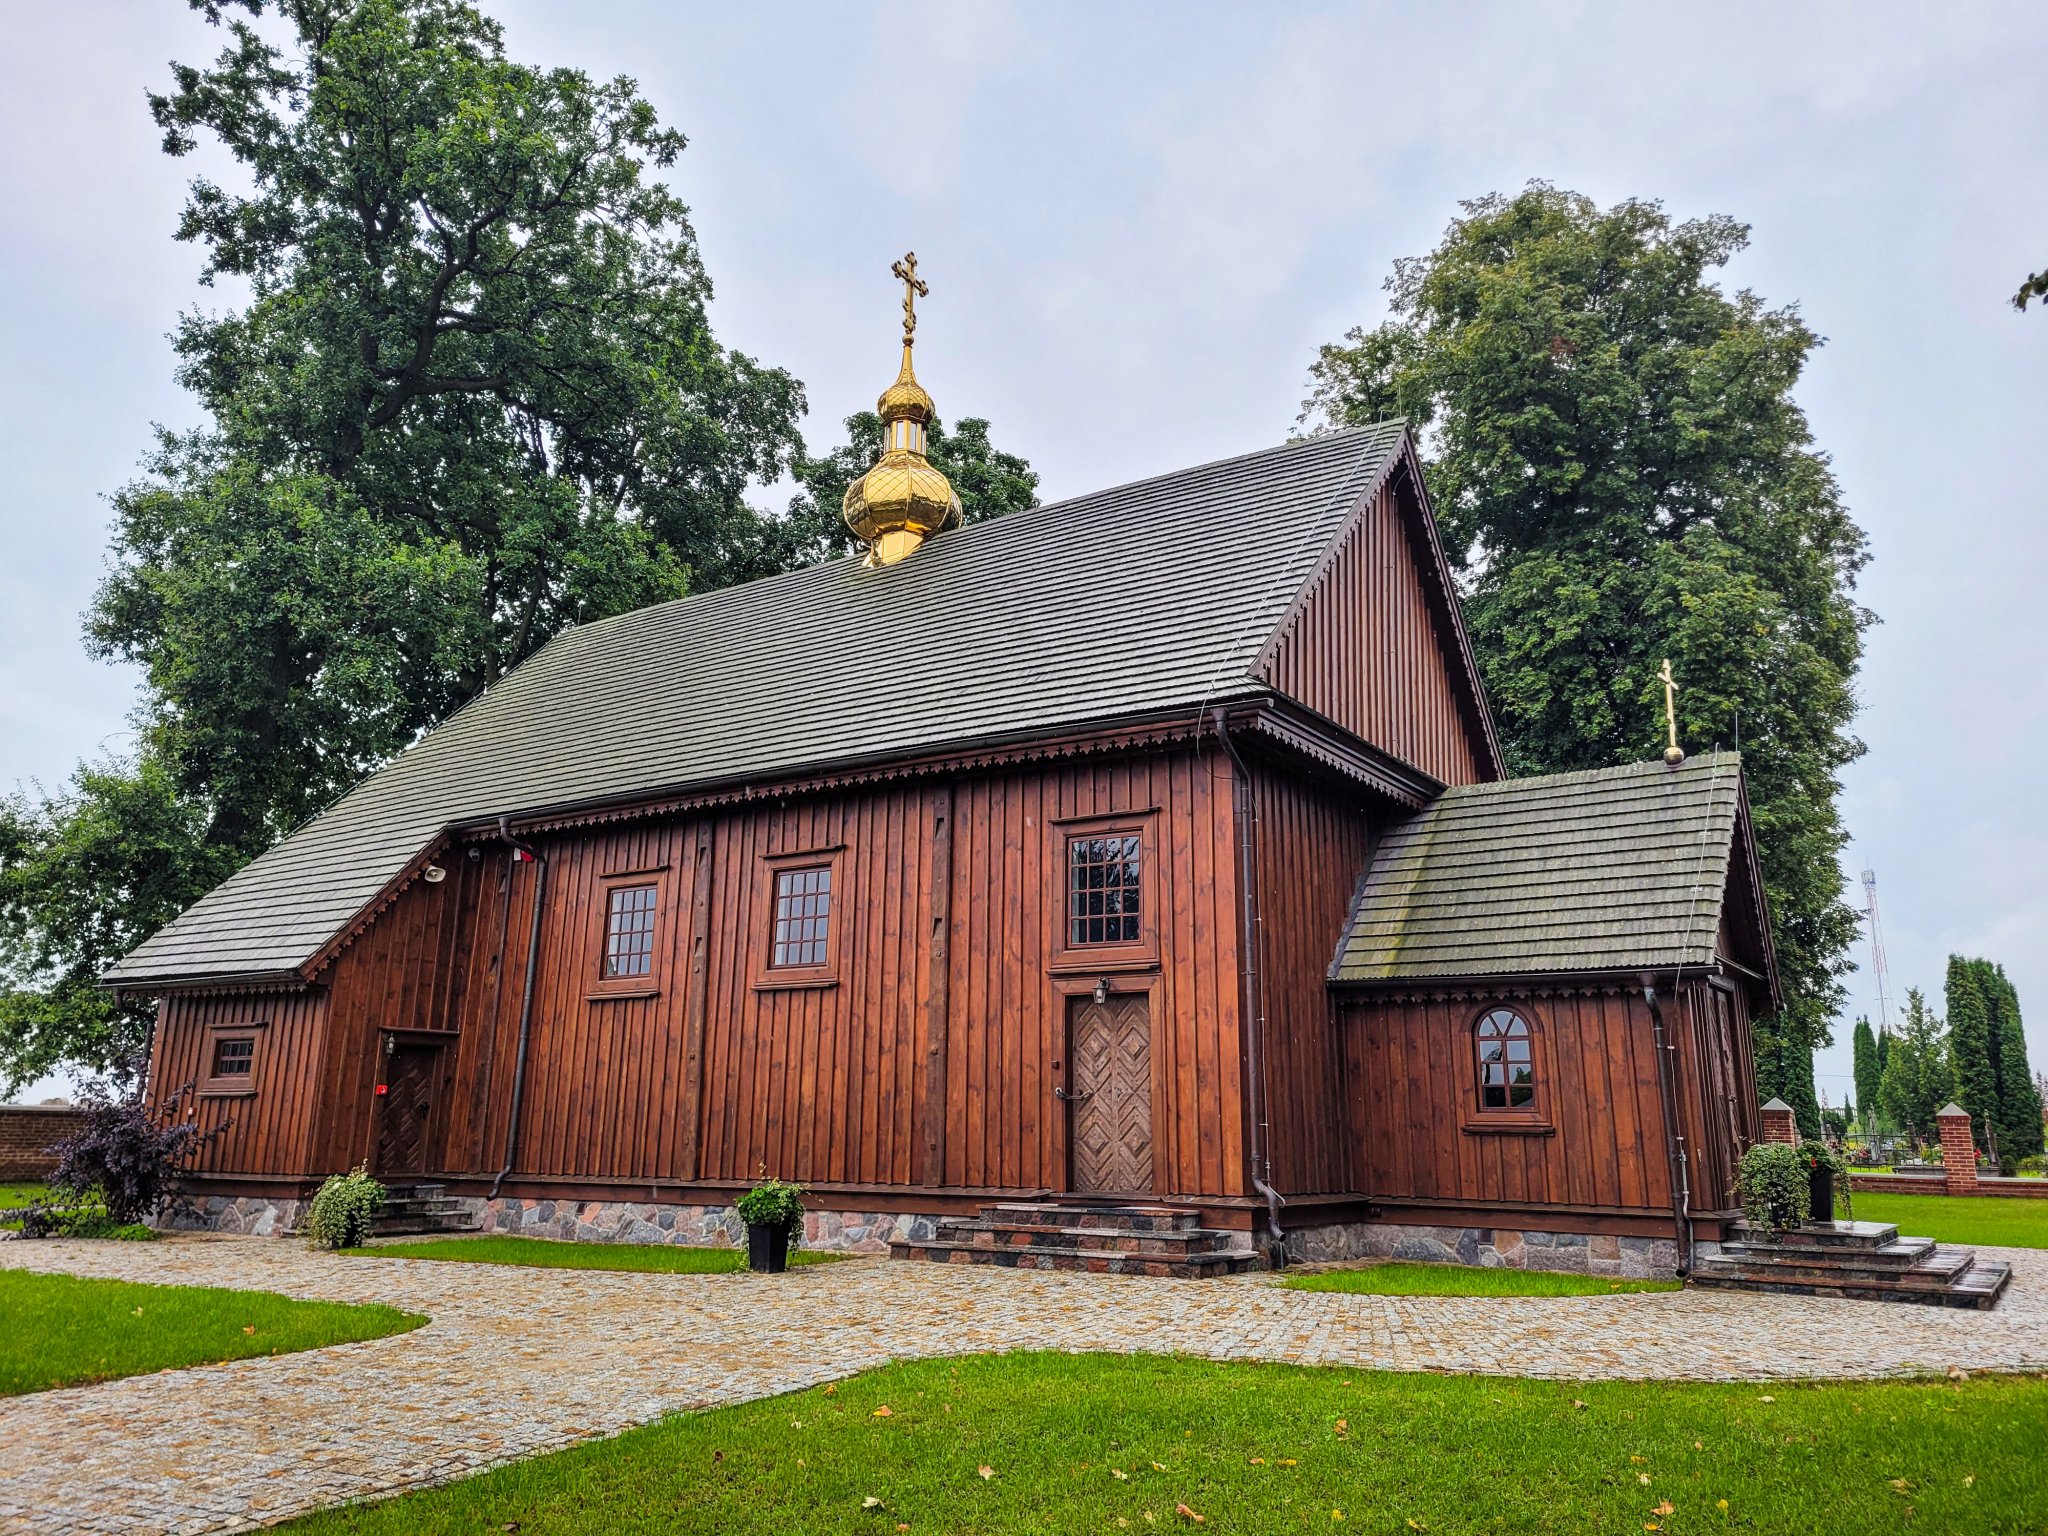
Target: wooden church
(1141, 861)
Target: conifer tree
(1868, 1068)
(1918, 1080)
(1973, 1048)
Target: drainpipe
(540, 899)
(1674, 1140)
(1254, 993)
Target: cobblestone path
(520, 1361)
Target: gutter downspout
(1254, 991)
(540, 899)
(1674, 1140)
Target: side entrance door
(1110, 1048)
(405, 1108)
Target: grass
(1037, 1442)
(62, 1330)
(547, 1253)
(14, 1196)
(1465, 1280)
(1992, 1220)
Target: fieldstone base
(1628, 1258)
(711, 1226)
(239, 1215)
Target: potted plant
(1826, 1173)
(772, 1211)
(1774, 1183)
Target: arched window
(1507, 1063)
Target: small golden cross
(1673, 753)
(913, 290)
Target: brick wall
(26, 1131)
(1935, 1184)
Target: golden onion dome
(902, 500)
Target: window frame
(770, 977)
(1141, 953)
(233, 1085)
(603, 988)
(1532, 1118)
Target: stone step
(1075, 1257)
(1024, 1235)
(1828, 1234)
(1942, 1276)
(435, 1205)
(1134, 1218)
(1892, 1258)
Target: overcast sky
(1139, 221)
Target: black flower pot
(768, 1247)
(1821, 1194)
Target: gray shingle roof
(1604, 870)
(1147, 597)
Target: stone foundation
(1622, 1258)
(710, 1226)
(237, 1215)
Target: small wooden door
(1110, 1046)
(411, 1074)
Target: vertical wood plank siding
(1413, 1090)
(1313, 845)
(944, 987)
(1363, 649)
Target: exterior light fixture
(433, 874)
(1102, 989)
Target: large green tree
(1622, 475)
(86, 874)
(1918, 1079)
(473, 397)
(1988, 1047)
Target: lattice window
(1507, 1064)
(629, 932)
(803, 916)
(1103, 877)
(234, 1058)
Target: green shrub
(343, 1210)
(772, 1203)
(1773, 1184)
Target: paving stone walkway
(521, 1361)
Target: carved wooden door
(1110, 1049)
(406, 1100)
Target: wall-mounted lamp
(1102, 989)
(433, 874)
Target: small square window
(234, 1058)
(803, 917)
(1104, 875)
(629, 932)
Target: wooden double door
(1109, 1048)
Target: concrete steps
(1097, 1239)
(1860, 1260)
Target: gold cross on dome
(913, 290)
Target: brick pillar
(1958, 1151)
(1779, 1123)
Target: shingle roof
(1604, 870)
(1147, 597)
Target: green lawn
(545, 1253)
(61, 1330)
(1399, 1279)
(1100, 1443)
(1992, 1220)
(13, 1196)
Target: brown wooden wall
(270, 1130)
(1414, 1092)
(1314, 840)
(946, 889)
(1363, 650)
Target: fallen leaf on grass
(1970, 1480)
(883, 1412)
(250, 1328)
(1156, 1467)
(832, 1390)
(1900, 1485)
(1188, 1514)
(871, 1502)
(1666, 1508)
(986, 1472)
(1343, 1426)
(1767, 1398)
(1258, 1461)
(1579, 1402)
(1120, 1474)
(1721, 1505)
(1416, 1525)
(1957, 1373)
(1642, 1477)
(1287, 1461)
